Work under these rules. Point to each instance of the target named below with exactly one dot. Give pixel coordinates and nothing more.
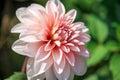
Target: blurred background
(102, 17)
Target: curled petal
(50, 74)
(33, 36)
(24, 16)
(65, 74)
(58, 43)
(56, 2)
(74, 48)
(41, 67)
(57, 55)
(39, 13)
(73, 36)
(37, 7)
(60, 67)
(51, 8)
(83, 38)
(30, 72)
(19, 28)
(80, 66)
(29, 37)
(70, 58)
(61, 8)
(70, 16)
(24, 48)
(65, 48)
(71, 77)
(29, 69)
(41, 55)
(77, 26)
(83, 51)
(49, 46)
(84, 30)
(39, 77)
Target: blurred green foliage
(18, 76)
(102, 17)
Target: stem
(24, 65)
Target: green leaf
(117, 11)
(118, 32)
(97, 55)
(112, 45)
(104, 73)
(101, 11)
(115, 66)
(98, 29)
(91, 46)
(17, 76)
(88, 5)
(92, 77)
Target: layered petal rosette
(54, 43)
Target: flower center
(62, 33)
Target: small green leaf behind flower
(97, 55)
(97, 28)
(17, 76)
(115, 66)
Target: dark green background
(102, 17)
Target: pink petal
(56, 2)
(76, 41)
(57, 55)
(19, 28)
(74, 48)
(49, 46)
(24, 48)
(60, 67)
(24, 16)
(58, 43)
(65, 74)
(42, 55)
(73, 36)
(83, 51)
(70, 58)
(29, 69)
(41, 67)
(39, 77)
(51, 9)
(33, 35)
(77, 26)
(38, 7)
(70, 44)
(65, 48)
(83, 38)
(29, 37)
(39, 13)
(84, 30)
(61, 8)
(80, 66)
(50, 74)
(71, 15)
(71, 77)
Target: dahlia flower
(53, 43)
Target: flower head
(54, 44)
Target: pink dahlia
(54, 44)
